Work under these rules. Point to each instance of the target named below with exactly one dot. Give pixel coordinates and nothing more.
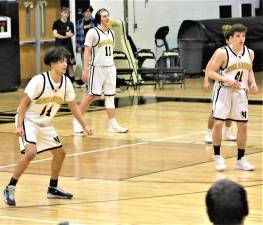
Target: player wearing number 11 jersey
(230, 100)
(99, 71)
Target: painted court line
(34, 220)
(107, 149)
(117, 147)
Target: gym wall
(152, 14)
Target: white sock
(113, 121)
(209, 131)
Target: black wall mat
(9, 50)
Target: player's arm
(86, 60)
(77, 114)
(91, 39)
(206, 79)
(25, 101)
(251, 76)
(252, 82)
(218, 61)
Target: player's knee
(242, 127)
(91, 98)
(218, 125)
(61, 153)
(109, 102)
(30, 154)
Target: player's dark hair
(55, 55)
(97, 18)
(226, 203)
(237, 28)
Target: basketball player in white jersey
(41, 100)
(99, 70)
(210, 122)
(230, 101)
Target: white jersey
(102, 46)
(238, 66)
(46, 97)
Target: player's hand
(85, 76)
(20, 131)
(254, 88)
(88, 130)
(232, 83)
(236, 85)
(79, 50)
(206, 85)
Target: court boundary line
(160, 171)
(108, 149)
(35, 220)
(181, 167)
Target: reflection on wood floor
(157, 173)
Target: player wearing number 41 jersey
(99, 70)
(230, 101)
(42, 98)
(236, 69)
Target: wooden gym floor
(157, 173)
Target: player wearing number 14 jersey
(230, 101)
(41, 100)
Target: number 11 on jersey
(108, 50)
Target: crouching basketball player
(41, 100)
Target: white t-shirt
(46, 97)
(102, 44)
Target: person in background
(63, 31)
(210, 122)
(83, 26)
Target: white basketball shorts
(230, 104)
(45, 137)
(102, 79)
(214, 91)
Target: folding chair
(169, 63)
(149, 74)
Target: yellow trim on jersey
(87, 26)
(237, 66)
(105, 42)
(55, 99)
